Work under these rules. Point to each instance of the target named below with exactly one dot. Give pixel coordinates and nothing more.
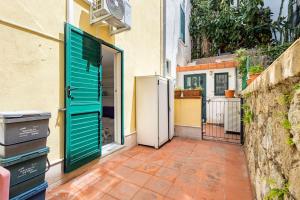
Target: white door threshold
(111, 148)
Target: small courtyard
(181, 169)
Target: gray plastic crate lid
(31, 193)
(5, 162)
(10, 117)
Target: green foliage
(287, 28)
(248, 95)
(273, 51)
(286, 124)
(290, 141)
(177, 88)
(199, 88)
(284, 99)
(216, 26)
(241, 58)
(256, 69)
(277, 193)
(297, 86)
(248, 115)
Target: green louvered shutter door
(83, 98)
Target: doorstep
(111, 148)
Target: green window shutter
(182, 24)
(83, 98)
(221, 83)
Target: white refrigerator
(153, 110)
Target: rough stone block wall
(272, 141)
(272, 131)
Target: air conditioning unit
(116, 13)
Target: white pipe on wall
(70, 11)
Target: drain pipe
(70, 11)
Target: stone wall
(272, 135)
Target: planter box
(192, 93)
(178, 94)
(252, 77)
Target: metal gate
(223, 120)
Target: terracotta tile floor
(182, 169)
(217, 133)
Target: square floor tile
(138, 178)
(145, 194)
(107, 197)
(167, 173)
(149, 168)
(158, 185)
(176, 193)
(107, 183)
(133, 163)
(173, 164)
(121, 172)
(124, 191)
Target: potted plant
(229, 93)
(178, 92)
(254, 72)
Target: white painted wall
(232, 76)
(215, 104)
(177, 52)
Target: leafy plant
(199, 88)
(248, 95)
(248, 115)
(290, 141)
(273, 51)
(297, 86)
(242, 60)
(178, 88)
(255, 69)
(284, 99)
(216, 26)
(286, 124)
(277, 193)
(287, 28)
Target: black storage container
(26, 166)
(18, 127)
(36, 193)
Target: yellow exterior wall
(188, 112)
(32, 59)
(142, 51)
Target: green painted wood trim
(69, 26)
(215, 85)
(73, 109)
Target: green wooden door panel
(83, 98)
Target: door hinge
(157, 82)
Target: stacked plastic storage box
(23, 151)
